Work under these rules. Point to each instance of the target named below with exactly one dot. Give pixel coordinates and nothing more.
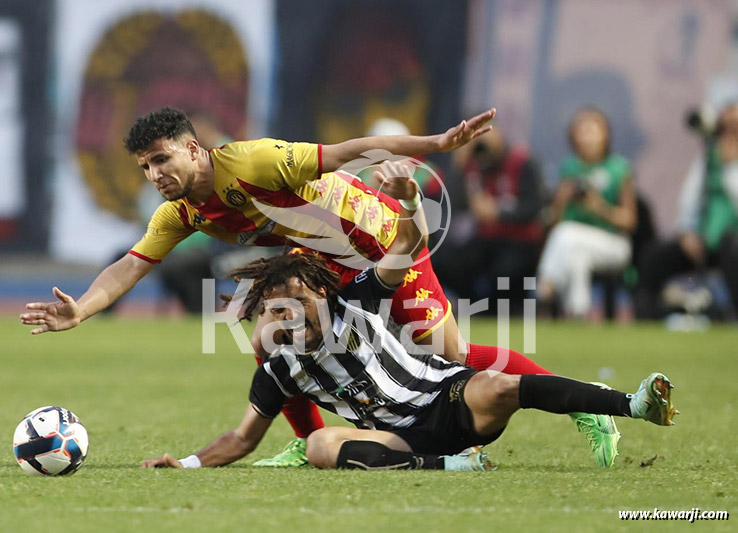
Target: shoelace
(584, 426)
(293, 446)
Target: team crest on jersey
(455, 394)
(235, 197)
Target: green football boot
(652, 402)
(601, 432)
(602, 435)
(293, 455)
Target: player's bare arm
(396, 180)
(336, 155)
(228, 448)
(66, 313)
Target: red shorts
(419, 301)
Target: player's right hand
(54, 316)
(465, 131)
(395, 178)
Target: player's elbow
(415, 253)
(411, 242)
(420, 244)
(423, 243)
(131, 269)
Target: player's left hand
(465, 131)
(165, 461)
(53, 316)
(395, 178)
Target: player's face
(306, 332)
(170, 165)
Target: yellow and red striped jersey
(270, 192)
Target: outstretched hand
(53, 316)
(165, 461)
(395, 178)
(465, 131)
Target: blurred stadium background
(74, 74)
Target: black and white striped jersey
(363, 373)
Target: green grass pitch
(143, 388)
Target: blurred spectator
(594, 210)
(707, 221)
(505, 195)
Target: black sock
(563, 395)
(369, 455)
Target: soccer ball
(50, 441)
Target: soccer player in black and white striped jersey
(411, 411)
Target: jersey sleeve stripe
(261, 413)
(381, 281)
(145, 258)
(184, 216)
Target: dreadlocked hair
(274, 271)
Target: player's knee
(502, 392)
(322, 448)
(508, 393)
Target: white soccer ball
(50, 441)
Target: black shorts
(446, 427)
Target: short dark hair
(269, 273)
(165, 122)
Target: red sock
(302, 414)
(482, 357)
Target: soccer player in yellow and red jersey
(239, 193)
